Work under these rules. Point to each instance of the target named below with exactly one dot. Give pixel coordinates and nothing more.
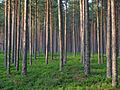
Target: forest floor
(48, 77)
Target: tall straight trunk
(82, 31)
(102, 33)
(47, 32)
(87, 40)
(35, 38)
(55, 36)
(25, 31)
(105, 24)
(30, 31)
(32, 27)
(92, 29)
(105, 34)
(61, 34)
(114, 49)
(77, 33)
(5, 33)
(73, 31)
(18, 34)
(95, 38)
(65, 35)
(9, 37)
(108, 45)
(21, 30)
(98, 31)
(51, 31)
(39, 36)
(13, 28)
(118, 26)
(44, 37)
(15, 31)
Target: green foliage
(41, 76)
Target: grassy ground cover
(48, 77)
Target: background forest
(59, 45)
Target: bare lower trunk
(18, 34)
(73, 31)
(65, 31)
(35, 38)
(13, 28)
(108, 45)
(98, 31)
(61, 34)
(114, 49)
(5, 34)
(87, 40)
(30, 32)
(47, 32)
(102, 34)
(25, 31)
(82, 31)
(51, 31)
(9, 37)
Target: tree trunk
(35, 38)
(92, 29)
(114, 49)
(73, 31)
(61, 34)
(95, 38)
(65, 31)
(9, 37)
(87, 40)
(47, 30)
(30, 31)
(108, 45)
(51, 31)
(13, 29)
(98, 31)
(102, 33)
(5, 34)
(18, 34)
(55, 36)
(25, 31)
(44, 37)
(82, 31)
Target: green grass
(48, 77)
